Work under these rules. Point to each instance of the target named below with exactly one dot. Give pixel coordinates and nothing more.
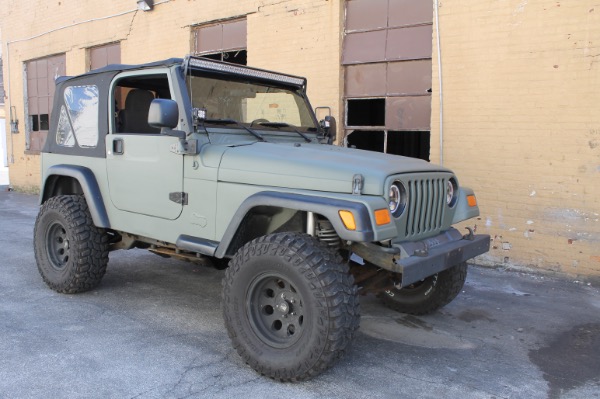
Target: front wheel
(428, 295)
(71, 253)
(290, 306)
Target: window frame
(112, 123)
(61, 60)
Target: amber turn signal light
(382, 216)
(471, 200)
(348, 219)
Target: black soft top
(115, 68)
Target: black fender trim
(90, 188)
(328, 207)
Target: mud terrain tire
(290, 306)
(71, 253)
(429, 294)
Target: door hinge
(179, 198)
(185, 147)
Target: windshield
(250, 103)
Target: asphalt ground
(153, 329)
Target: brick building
(511, 104)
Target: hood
(314, 167)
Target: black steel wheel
(428, 295)
(71, 253)
(57, 246)
(275, 310)
(290, 306)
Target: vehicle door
(144, 175)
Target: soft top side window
(78, 118)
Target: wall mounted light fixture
(145, 5)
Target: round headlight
(451, 192)
(397, 198)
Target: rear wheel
(290, 306)
(71, 253)
(428, 295)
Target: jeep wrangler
(199, 159)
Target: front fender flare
(88, 184)
(328, 207)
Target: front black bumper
(418, 260)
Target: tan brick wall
(521, 119)
(302, 38)
(295, 36)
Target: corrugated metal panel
(409, 77)
(364, 47)
(409, 12)
(234, 35)
(209, 38)
(225, 36)
(409, 43)
(408, 113)
(105, 55)
(365, 80)
(366, 14)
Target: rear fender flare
(88, 184)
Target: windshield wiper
(234, 122)
(283, 124)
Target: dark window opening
(367, 140)
(409, 144)
(44, 122)
(35, 125)
(235, 57)
(366, 112)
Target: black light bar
(240, 70)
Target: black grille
(425, 208)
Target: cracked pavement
(153, 329)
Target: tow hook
(469, 236)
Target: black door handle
(118, 146)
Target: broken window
(224, 41)
(372, 140)
(40, 88)
(387, 80)
(414, 144)
(365, 112)
(409, 144)
(235, 57)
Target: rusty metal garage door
(387, 64)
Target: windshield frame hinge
(185, 147)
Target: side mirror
(329, 125)
(163, 113)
